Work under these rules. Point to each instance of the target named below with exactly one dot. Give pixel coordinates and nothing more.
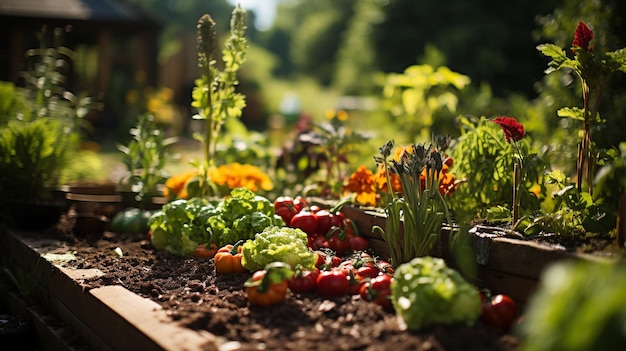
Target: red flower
(582, 37)
(511, 127)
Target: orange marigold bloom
(381, 180)
(447, 181)
(236, 175)
(176, 184)
(363, 183)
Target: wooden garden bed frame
(105, 318)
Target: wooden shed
(116, 44)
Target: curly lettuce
(182, 225)
(179, 227)
(426, 292)
(277, 244)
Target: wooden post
(104, 56)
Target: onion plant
(416, 214)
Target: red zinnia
(511, 127)
(582, 37)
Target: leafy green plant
(181, 225)
(44, 128)
(426, 292)
(414, 217)
(214, 95)
(574, 213)
(578, 306)
(594, 69)
(145, 157)
(277, 244)
(420, 95)
(30, 159)
(484, 159)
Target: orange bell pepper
(228, 259)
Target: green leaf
(618, 58)
(571, 112)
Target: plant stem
(516, 194)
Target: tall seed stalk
(214, 95)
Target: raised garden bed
(102, 318)
(162, 302)
(149, 300)
(503, 264)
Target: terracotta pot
(132, 199)
(95, 199)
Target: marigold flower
(176, 185)
(513, 130)
(582, 37)
(363, 183)
(447, 181)
(236, 175)
(381, 180)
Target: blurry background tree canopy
(317, 55)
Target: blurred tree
(180, 16)
(307, 36)
(355, 67)
(318, 37)
(489, 40)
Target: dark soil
(195, 296)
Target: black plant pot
(34, 215)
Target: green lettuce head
(426, 292)
(277, 244)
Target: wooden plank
(519, 288)
(48, 338)
(88, 336)
(143, 323)
(365, 221)
(109, 318)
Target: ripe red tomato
(355, 285)
(305, 220)
(367, 272)
(323, 221)
(318, 242)
(499, 311)
(287, 207)
(358, 243)
(314, 208)
(339, 245)
(377, 290)
(385, 267)
(304, 281)
(333, 283)
(202, 251)
(328, 222)
(320, 259)
(335, 261)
